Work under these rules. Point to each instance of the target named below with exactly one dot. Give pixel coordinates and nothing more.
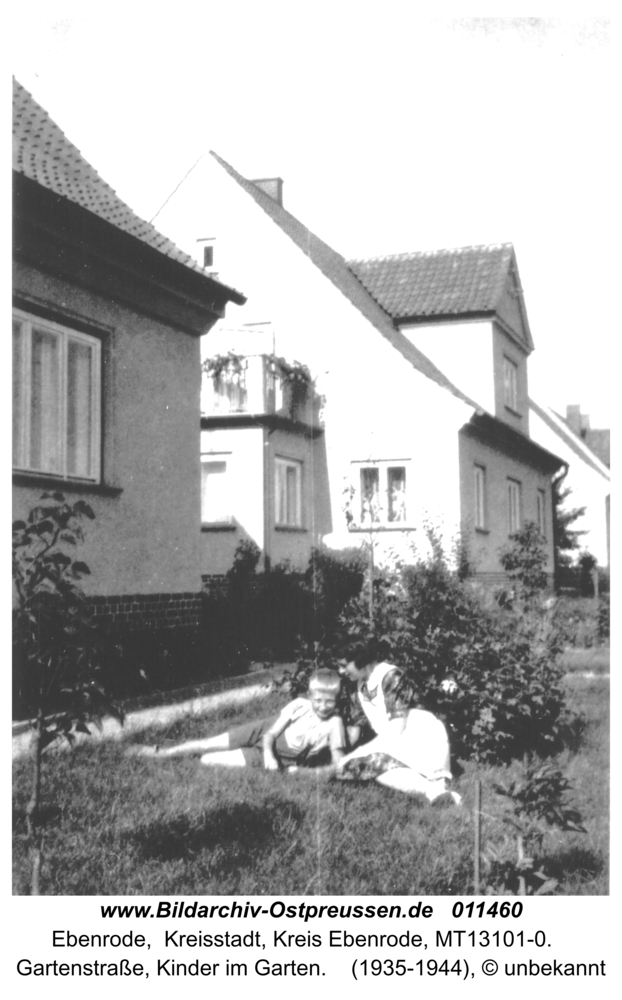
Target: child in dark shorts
(307, 733)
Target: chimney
(573, 419)
(206, 252)
(272, 186)
(577, 421)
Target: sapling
(59, 677)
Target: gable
(511, 312)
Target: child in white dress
(308, 733)
(410, 751)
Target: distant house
(107, 321)
(420, 361)
(588, 477)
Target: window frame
(383, 468)
(64, 335)
(214, 458)
(281, 465)
(480, 497)
(514, 494)
(541, 511)
(510, 384)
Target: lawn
(116, 825)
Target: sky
(392, 133)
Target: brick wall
(151, 611)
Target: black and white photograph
(312, 313)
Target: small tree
(536, 803)
(58, 675)
(524, 561)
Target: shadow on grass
(575, 862)
(238, 831)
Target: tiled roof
(42, 152)
(335, 268)
(437, 282)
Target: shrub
(491, 675)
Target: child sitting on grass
(308, 733)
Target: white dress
(410, 741)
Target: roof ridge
(409, 254)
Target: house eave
(63, 239)
(494, 432)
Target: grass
(115, 825)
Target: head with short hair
(324, 691)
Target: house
(420, 364)
(588, 478)
(108, 317)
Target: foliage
(276, 614)
(59, 678)
(220, 364)
(491, 674)
(295, 376)
(524, 562)
(537, 802)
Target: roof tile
(42, 152)
(437, 282)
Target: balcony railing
(256, 385)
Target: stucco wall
(463, 351)
(377, 406)
(144, 540)
(483, 546)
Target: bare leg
(226, 758)
(207, 745)
(192, 747)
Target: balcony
(259, 385)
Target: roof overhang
(64, 239)
(501, 436)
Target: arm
(271, 761)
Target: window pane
(292, 495)
(45, 411)
(396, 493)
(79, 408)
(370, 498)
(18, 393)
(288, 478)
(215, 500)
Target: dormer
(465, 310)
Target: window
(208, 256)
(480, 496)
(379, 494)
(541, 511)
(56, 399)
(215, 490)
(510, 384)
(514, 506)
(288, 492)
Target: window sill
(291, 528)
(218, 526)
(397, 526)
(65, 485)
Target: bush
(274, 615)
(492, 676)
